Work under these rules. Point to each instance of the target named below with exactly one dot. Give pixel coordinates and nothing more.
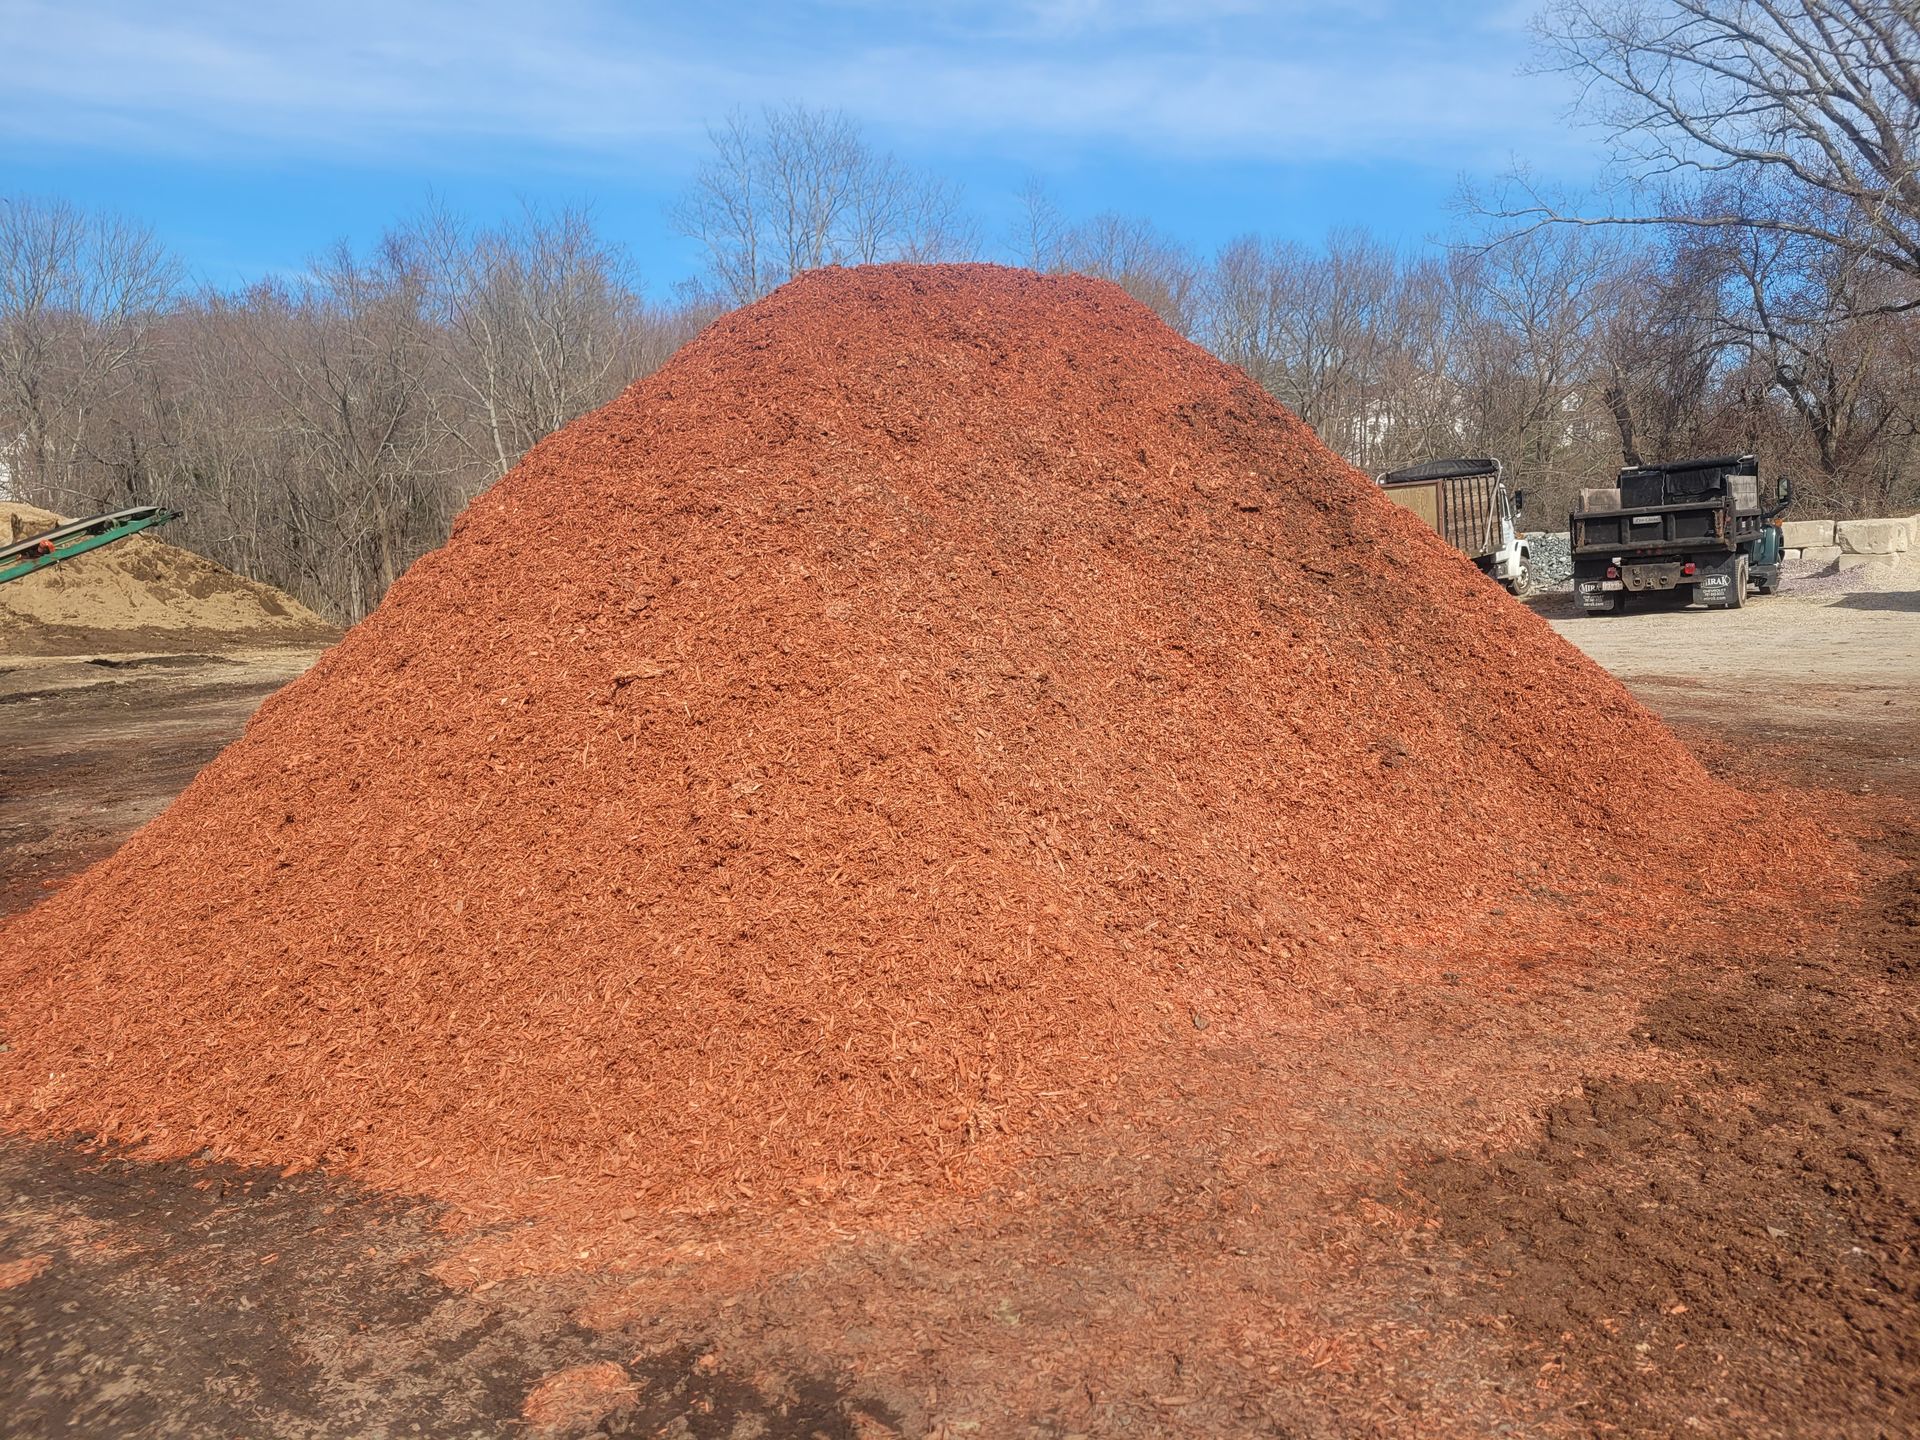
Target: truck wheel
(1737, 592)
(1522, 582)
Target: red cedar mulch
(831, 765)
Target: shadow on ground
(1736, 1255)
(190, 1300)
(1899, 600)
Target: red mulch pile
(933, 693)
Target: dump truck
(1466, 501)
(1681, 531)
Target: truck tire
(1522, 583)
(1737, 592)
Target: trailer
(1466, 502)
(76, 537)
(1686, 530)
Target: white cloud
(1059, 19)
(1216, 106)
(598, 84)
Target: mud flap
(1593, 595)
(1715, 585)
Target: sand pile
(138, 594)
(932, 692)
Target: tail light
(1613, 572)
(1687, 569)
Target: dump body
(1467, 503)
(1693, 528)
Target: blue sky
(251, 135)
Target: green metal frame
(82, 536)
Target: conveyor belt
(63, 542)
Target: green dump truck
(1466, 501)
(1691, 529)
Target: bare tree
(1660, 344)
(897, 215)
(79, 293)
(322, 433)
(1532, 369)
(1312, 327)
(1038, 234)
(1809, 318)
(536, 316)
(1415, 403)
(801, 188)
(1490, 350)
(1158, 272)
(318, 432)
(814, 169)
(935, 226)
(723, 211)
(350, 358)
(1812, 106)
(1244, 297)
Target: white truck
(1466, 501)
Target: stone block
(1799, 534)
(1790, 555)
(1861, 562)
(1820, 556)
(1874, 537)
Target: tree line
(321, 431)
(318, 432)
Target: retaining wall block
(1801, 533)
(1874, 537)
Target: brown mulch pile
(140, 594)
(936, 693)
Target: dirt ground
(1667, 1194)
(93, 747)
(1785, 667)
